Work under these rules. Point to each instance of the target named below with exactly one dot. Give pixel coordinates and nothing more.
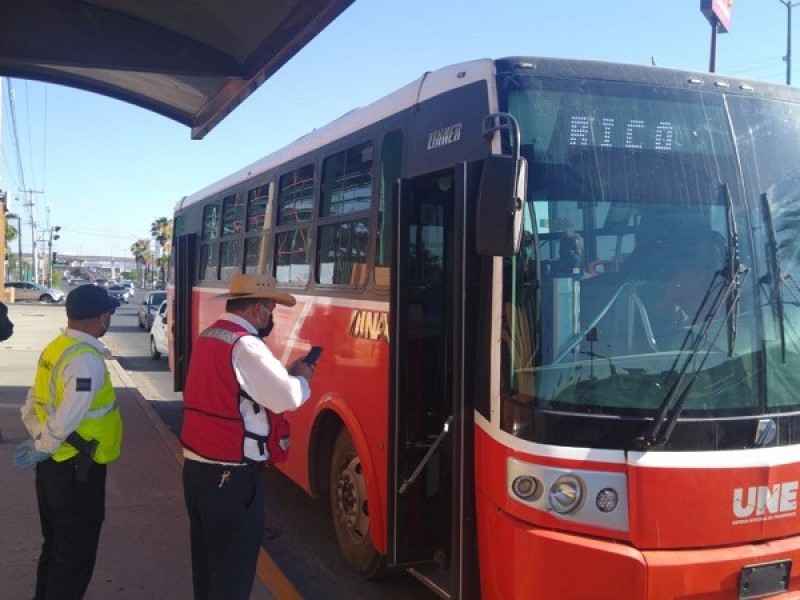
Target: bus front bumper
(520, 560)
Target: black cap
(89, 301)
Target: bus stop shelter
(192, 61)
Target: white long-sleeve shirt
(51, 434)
(262, 376)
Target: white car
(159, 341)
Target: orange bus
(559, 306)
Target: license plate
(763, 580)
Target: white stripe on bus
(710, 459)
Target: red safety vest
(213, 426)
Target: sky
(106, 170)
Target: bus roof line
(430, 84)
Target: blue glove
(27, 455)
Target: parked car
(159, 343)
(26, 290)
(120, 292)
(149, 307)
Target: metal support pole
(712, 65)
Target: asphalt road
(299, 534)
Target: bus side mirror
(501, 198)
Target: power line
(30, 142)
(14, 133)
(754, 66)
(44, 143)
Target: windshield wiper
(733, 269)
(777, 276)
(660, 429)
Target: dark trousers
(71, 514)
(226, 516)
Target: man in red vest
(233, 377)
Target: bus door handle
(427, 457)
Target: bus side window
(209, 250)
(259, 213)
(391, 171)
(342, 246)
(209, 259)
(230, 258)
(292, 260)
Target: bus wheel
(350, 509)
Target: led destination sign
(624, 118)
(630, 134)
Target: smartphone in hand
(313, 355)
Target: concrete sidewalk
(144, 545)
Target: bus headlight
(566, 494)
(526, 488)
(607, 500)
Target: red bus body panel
(684, 539)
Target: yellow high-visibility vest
(102, 421)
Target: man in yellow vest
(71, 413)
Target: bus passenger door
(185, 255)
(421, 460)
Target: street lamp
(788, 58)
(19, 242)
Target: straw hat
(250, 285)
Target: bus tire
(350, 509)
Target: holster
(85, 457)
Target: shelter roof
(193, 61)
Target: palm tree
(140, 250)
(11, 235)
(161, 230)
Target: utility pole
(788, 58)
(30, 204)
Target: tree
(161, 230)
(11, 232)
(142, 254)
(11, 235)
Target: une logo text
(765, 500)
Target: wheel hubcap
(351, 498)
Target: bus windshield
(635, 218)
